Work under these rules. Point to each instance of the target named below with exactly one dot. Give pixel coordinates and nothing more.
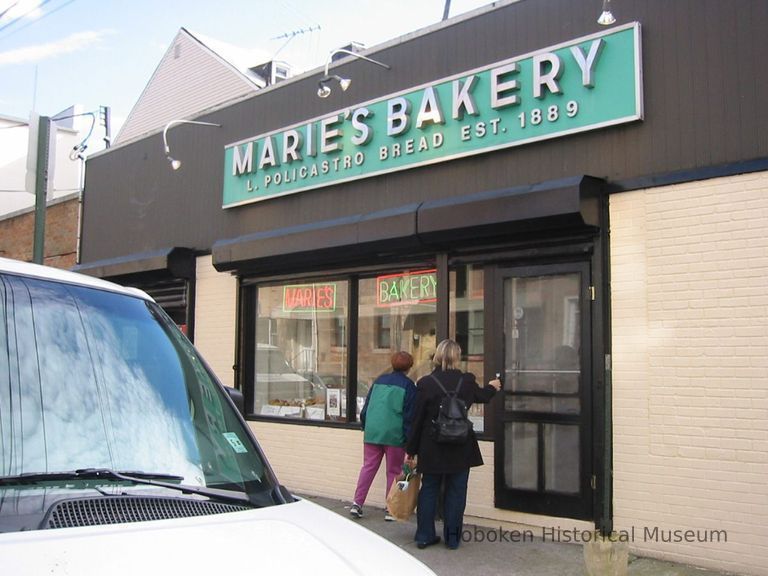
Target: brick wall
(17, 234)
(690, 357)
(326, 462)
(215, 318)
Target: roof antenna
(291, 35)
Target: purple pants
(372, 455)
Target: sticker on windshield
(235, 442)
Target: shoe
(356, 511)
(422, 545)
(389, 518)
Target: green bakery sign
(585, 84)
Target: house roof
(194, 74)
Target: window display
(300, 357)
(302, 369)
(396, 311)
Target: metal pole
(106, 114)
(447, 9)
(41, 187)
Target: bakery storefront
(313, 342)
(518, 186)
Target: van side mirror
(237, 397)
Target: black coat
(437, 458)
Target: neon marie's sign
(416, 287)
(584, 84)
(309, 297)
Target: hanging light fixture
(324, 90)
(176, 164)
(606, 17)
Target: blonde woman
(444, 463)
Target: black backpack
(451, 425)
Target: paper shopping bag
(403, 495)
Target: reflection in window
(396, 311)
(300, 357)
(522, 471)
(383, 330)
(103, 380)
(542, 327)
(561, 466)
(466, 326)
(97, 377)
(561, 458)
(339, 334)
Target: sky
(59, 53)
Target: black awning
(166, 263)
(340, 240)
(557, 204)
(567, 204)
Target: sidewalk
(536, 558)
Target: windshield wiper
(83, 474)
(134, 477)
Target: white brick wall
(326, 462)
(215, 318)
(690, 355)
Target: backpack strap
(455, 392)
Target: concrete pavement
(487, 552)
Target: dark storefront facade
(477, 190)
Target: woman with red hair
(386, 420)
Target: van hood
(296, 538)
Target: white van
(121, 453)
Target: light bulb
(606, 18)
(175, 164)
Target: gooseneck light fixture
(176, 164)
(323, 90)
(606, 17)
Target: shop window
(466, 326)
(301, 366)
(300, 359)
(396, 311)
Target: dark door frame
(540, 502)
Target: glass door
(543, 437)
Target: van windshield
(92, 379)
